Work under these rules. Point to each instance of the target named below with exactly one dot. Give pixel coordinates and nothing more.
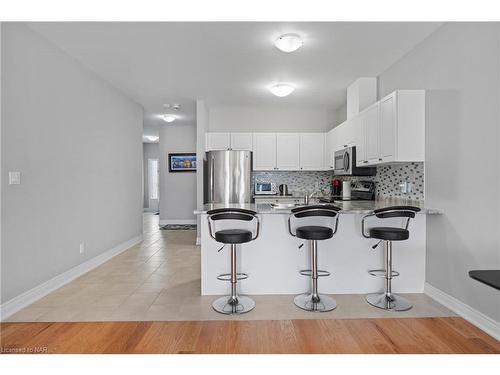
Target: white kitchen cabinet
(312, 151)
(242, 141)
(394, 129)
(330, 148)
(359, 140)
(371, 126)
(217, 141)
(287, 151)
(264, 151)
(388, 128)
(229, 141)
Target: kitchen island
(273, 260)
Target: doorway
(153, 184)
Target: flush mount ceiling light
(288, 42)
(168, 118)
(282, 89)
(151, 138)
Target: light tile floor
(159, 279)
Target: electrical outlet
(82, 248)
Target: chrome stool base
(305, 302)
(225, 305)
(391, 302)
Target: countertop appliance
(265, 188)
(228, 177)
(345, 164)
(360, 191)
(283, 188)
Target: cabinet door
(241, 141)
(359, 140)
(340, 136)
(388, 128)
(349, 133)
(312, 151)
(371, 129)
(217, 141)
(264, 151)
(330, 144)
(287, 151)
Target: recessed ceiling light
(282, 89)
(168, 118)
(151, 138)
(288, 42)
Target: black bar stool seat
(314, 232)
(389, 233)
(233, 236)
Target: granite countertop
(353, 207)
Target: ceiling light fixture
(282, 89)
(288, 42)
(151, 138)
(168, 118)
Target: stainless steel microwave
(265, 188)
(344, 164)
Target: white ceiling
(232, 63)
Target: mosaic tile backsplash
(387, 180)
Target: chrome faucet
(308, 197)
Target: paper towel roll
(346, 189)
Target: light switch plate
(14, 178)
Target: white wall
(177, 190)
(150, 151)
(77, 143)
(458, 65)
(269, 119)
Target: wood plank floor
(401, 335)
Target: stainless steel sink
(284, 206)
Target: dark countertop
(354, 207)
(488, 277)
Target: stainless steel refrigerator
(228, 177)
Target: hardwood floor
(400, 335)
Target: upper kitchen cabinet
(264, 151)
(312, 151)
(241, 141)
(288, 151)
(217, 141)
(394, 129)
(371, 127)
(229, 141)
(330, 145)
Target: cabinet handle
(380, 159)
(365, 161)
(345, 145)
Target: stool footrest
(382, 273)
(227, 276)
(321, 273)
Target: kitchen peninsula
(274, 259)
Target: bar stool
(314, 301)
(388, 300)
(233, 304)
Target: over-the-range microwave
(344, 164)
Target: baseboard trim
(177, 221)
(27, 298)
(483, 322)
